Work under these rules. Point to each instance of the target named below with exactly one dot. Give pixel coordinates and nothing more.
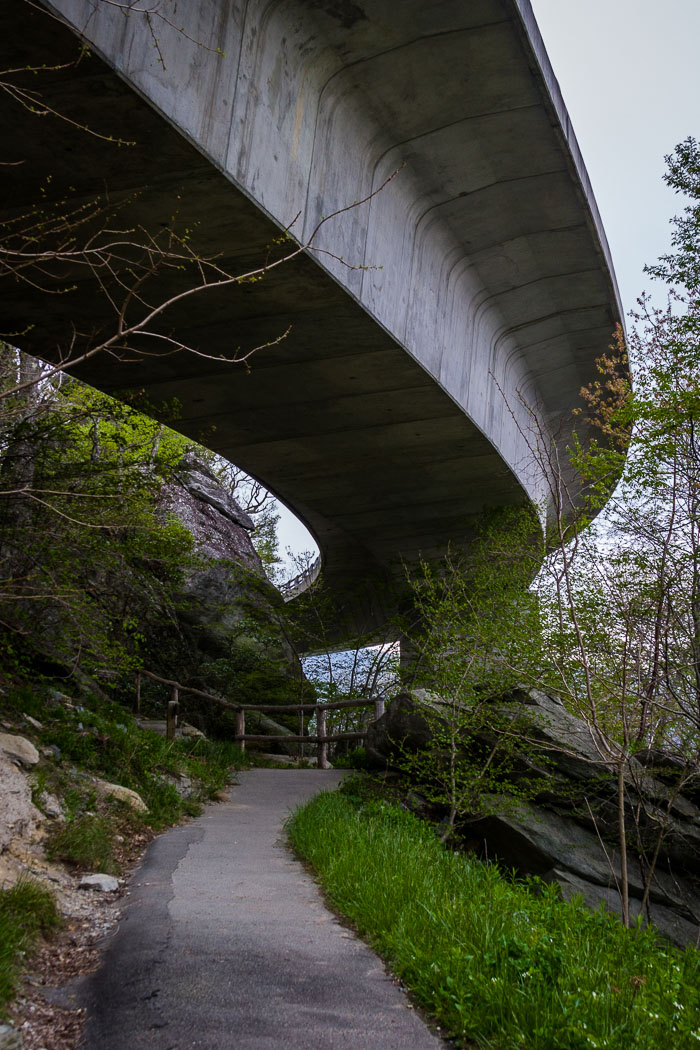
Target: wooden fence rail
(322, 739)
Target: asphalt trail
(226, 944)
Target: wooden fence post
(239, 732)
(173, 706)
(378, 708)
(321, 731)
(136, 709)
(301, 733)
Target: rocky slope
(88, 912)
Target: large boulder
(215, 592)
(537, 841)
(221, 529)
(122, 794)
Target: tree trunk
(622, 831)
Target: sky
(629, 71)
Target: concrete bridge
(481, 265)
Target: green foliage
(620, 599)
(90, 565)
(86, 841)
(356, 758)
(27, 911)
(682, 267)
(210, 762)
(495, 962)
(31, 905)
(478, 635)
(475, 617)
(475, 761)
(253, 672)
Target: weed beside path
(496, 962)
(27, 910)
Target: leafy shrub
(356, 758)
(24, 699)
(210, 763)
(32, 907)
(165, 805)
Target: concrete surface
(226, 945)
(379, 420)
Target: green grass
(27, 911)
(98, 738)
(87, 841)
(497, 963)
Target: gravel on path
(226, 944)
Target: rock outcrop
(566, 832)
(221, 529)
(22, 833)
(21, 820)
(233, 641)
(215, 592)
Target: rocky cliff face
(220, 528)
(231, 619)
(566, 831)
(215, 590)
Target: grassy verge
(27, 911)
(497, 963)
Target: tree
(617, 629)
(88, 566)
(622, 596)
(475, 639)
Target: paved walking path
(225, 944)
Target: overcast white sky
(629, 71)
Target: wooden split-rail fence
(321, 739)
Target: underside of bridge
(393, 410)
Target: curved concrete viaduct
(378, 420)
